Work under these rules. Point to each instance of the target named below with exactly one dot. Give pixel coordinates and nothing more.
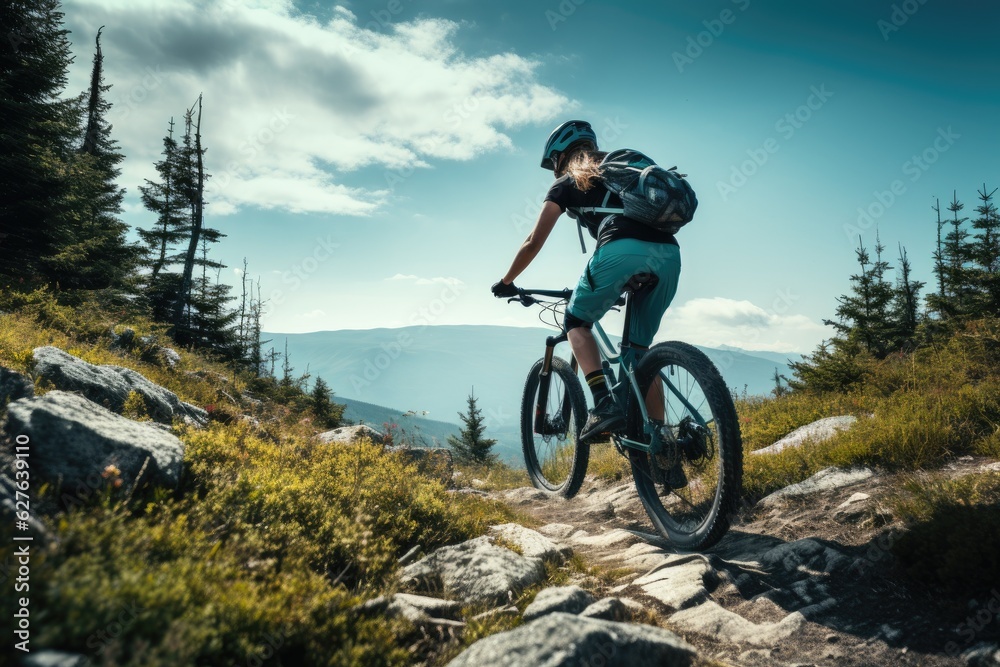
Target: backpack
(650, 194)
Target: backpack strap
(579, 227)
(603, 208)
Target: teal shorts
(610, 268)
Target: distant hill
(433, 369)
(428, 432)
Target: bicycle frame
(624, 361)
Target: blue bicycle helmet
(563, 137)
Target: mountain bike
(681, 435)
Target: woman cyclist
(625, 248)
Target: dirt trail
(798, 581)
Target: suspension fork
(544, 379)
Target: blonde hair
(584, 167)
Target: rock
(990, 467)
(600, 512)
(124, 340)
(416, 609)
(608, 609)
(434, 462)
(525, 495)
(350, 434)
(855, 498)
(616, 538)
(817, 431)
(74, 440)
(531, 543)
(825, 480)
(169, 357)
(569, 599)
(982, 655)
(680, 582)
(48, 658)
(713, 621)
(557, 531)
(110, 386)
(852, 509)
(808, 553)
(14, 386)
(475, 571)
(564, 640)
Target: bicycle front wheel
(692, 487)
(550, 426)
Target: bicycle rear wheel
(555, 458)
(702, 454)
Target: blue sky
(377, 162)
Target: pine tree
(192, 159)
(906, 304)
(37, 134)
(864, 316)
(472, 447)
(166, 199)
(939, 250)
(95, 254)
(985, 254)
(327, 413)
(957, 299)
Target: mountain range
(426, 373)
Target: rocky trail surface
(804, 578)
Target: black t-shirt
(565, 194)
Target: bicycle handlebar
(526, 296)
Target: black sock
(598, 385)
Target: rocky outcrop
(531, 543)
(817, 431)
(349, 434)
(827, 479)
(74, 440)
(565, 640)
(476, 572)
(110, 386)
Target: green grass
(262, 554)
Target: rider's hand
(501, 290)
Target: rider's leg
(664, 260)
(585, 349)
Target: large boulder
(346, 435)
(475, 572)
(531, 542)
(565, 640)
(74, 440)
(110, 386)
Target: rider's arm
(536, 239)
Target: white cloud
(292, 106)
(314, 314)
(417, 280)
(720, 321)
